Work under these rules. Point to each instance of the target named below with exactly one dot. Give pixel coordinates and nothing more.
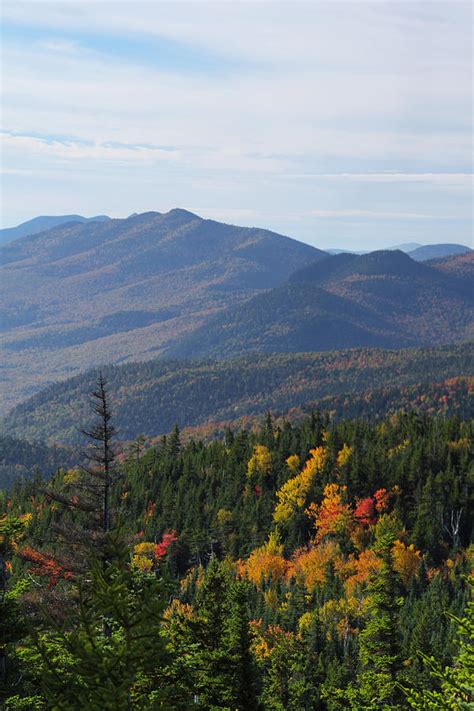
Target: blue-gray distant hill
(43, 223)
(438, 251)
(79, 295)
(383, 299)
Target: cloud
(442, 179)
(375, 214)
(81, 150)
(239, 107)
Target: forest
(150, 397)
(321, 564)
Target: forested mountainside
(21, 459)
(460, 266)
(82, 294)
(380, 299)
(43, 223)
(297, 567)
(150, 397)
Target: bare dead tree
(451, 526)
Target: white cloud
(306, 105)
(338, 214)
(441, 179)
(76, 150)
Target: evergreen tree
(85, 667)
(455, 683)
(236, 642)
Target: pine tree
(211, 661)
(86, 494)
(84, 667)
(236, 642)
(455, 683)
(379, 653)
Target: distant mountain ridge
(150, 397)
(43, 223)
(382, 299)
(438, 251)
(177, 285)
(82, 294)
(418, 252)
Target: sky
(341, 124)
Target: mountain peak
(180, 212)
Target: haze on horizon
(339, 124)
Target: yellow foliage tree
(293, 463)
(144, 556)
(406, 560)
(224, 517)
(292, 495)
(266, 561)
(343, 456)
(342, 615)
(260, 462)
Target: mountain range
(81, 294)
(418, 252)
(382, 299)
(111, 291)
(437, 251)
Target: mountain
(382, 299)
(461, 267)
(406, 246)
(437, 251)
(21, 459)
(83, 294)
(418, 252)
(343, 251)
(43, 223)
(150, 397)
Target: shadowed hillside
(379, 299)
(82, 294)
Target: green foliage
(351, 383)
(455, 682)
(338, 627)
(103, 657)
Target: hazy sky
(340, 124)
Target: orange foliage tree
(267, 561)
(334, 515)
(310, 565)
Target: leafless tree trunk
(451, 525)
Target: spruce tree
(87, 665)
(236, 642)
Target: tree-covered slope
(82, 294)
(303, 566)
(22, 459)
(378, 299)
(150, 397)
